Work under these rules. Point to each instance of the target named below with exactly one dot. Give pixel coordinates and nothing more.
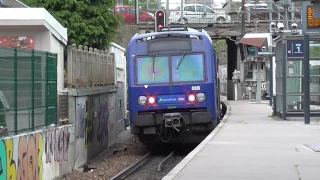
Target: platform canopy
(32, 18)
(257, 42)
(256, 39)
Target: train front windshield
(170, 69)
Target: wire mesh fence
(28, 89)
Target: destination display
(312, 22)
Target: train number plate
(195, 88)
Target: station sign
(295, 48)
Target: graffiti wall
(95, 122)
(38, 155)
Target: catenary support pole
(243, 18)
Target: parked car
(194, 13)
(129, 14)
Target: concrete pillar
(232, 65)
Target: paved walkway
(249, 145)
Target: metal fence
(28, 89)
(88, 67)
(201, 12)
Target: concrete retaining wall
(93, 113)
(43, 154)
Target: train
(173, 86)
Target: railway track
(159, 162)
(153, 165)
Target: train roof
(173, 31)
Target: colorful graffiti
(103, 114)
(97, 124)
(26, 156)
(81, 118)
(57, 141)
(18, 42)
(89, 122)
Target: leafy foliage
(315, 51)
(221, 45)
(129, 2)
(89, 22)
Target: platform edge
(176, 170)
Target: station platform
(249, 144)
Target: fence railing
(28, 89)
(88, 67)
(195, 13)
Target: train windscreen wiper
(185, 53)
(177, 69)
(153, 72)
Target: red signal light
(159, 20)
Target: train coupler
(172, 120)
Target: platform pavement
(250, 145)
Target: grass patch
(273, 117)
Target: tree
(129, 2)
(221, 45)
(315, 51)
(89, 22)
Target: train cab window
(188, 69)
(152, 70)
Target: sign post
(306, 80)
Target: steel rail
(161, 164)
(126, 172)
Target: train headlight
(142, 100)
(151, 100)
(201, 97)
(191, 98)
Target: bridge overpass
(221, 30)
(231, 32)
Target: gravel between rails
(149, 170)
(108, 164)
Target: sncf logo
(181, 99)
